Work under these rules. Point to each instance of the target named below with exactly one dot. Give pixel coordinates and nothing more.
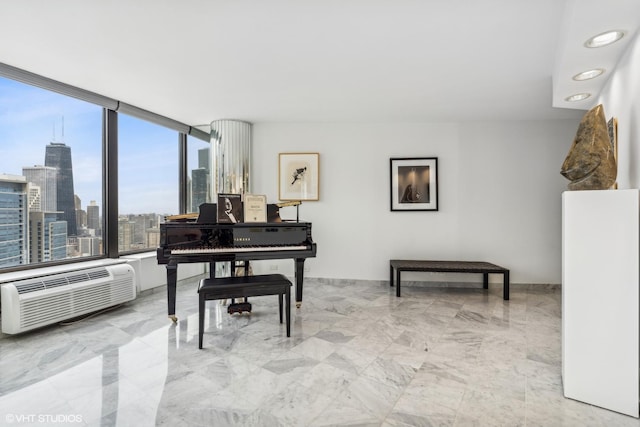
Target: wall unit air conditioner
(64, 292)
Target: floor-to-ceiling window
(198, 173)
(148, 181)
(55, 141)
(50, 174)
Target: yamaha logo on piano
(241, 239)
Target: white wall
(499, 194)
(620, 99)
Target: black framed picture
(414, 184)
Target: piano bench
(244, 286)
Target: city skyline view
(31, 118)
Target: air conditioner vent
(39, 301)
(55, 282)
(27, 287)
(98, 274)
(78, 278)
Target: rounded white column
(230, 157)
(230, 165)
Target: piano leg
(172, 274)
(299, 280)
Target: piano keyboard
(238, 249)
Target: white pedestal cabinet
(600, 298)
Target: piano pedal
(239, 307)
(224, 301)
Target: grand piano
(202, 239)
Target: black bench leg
(280, 297)
(397, 282)
(200, 319)
(505, 286)
(485, 280)
(288, 308)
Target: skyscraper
(93, 217)
(126, 230)
(199, 188)
(200, 181)
(35, 198)
(58, 155)
(48, 237)
(13, 220)
(81, 216)
(203, 158)
(45, 178)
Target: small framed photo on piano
(229, 208)
(299, 176)
(414, 184)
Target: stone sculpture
(591, 164)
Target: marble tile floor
(357, 356)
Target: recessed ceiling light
(577, 97)
(589, 74)
(604, 39)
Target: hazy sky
(31, 118)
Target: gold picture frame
(299, 176)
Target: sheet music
(255, 208)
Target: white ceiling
(320, 60)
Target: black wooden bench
(485, 268)
(242, 287)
